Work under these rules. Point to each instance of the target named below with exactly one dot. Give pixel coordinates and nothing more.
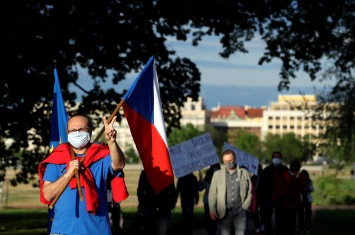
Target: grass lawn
(33, 221)
(22, 213)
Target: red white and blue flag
(143, 111)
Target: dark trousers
(289, 222)
(256, 217)
(187, 207)
(305, 217)
(268, 208)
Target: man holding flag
(98, 164)
(58, 129)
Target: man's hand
(110, 132)
(213, 215)
(74, 164)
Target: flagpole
(82, 160)
(76, 172)
(109, 119)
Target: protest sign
(192, 155)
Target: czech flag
(58, 130)
(143, 111)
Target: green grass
(33, 221)
(15, 219)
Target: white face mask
(79, 139)
(276, 161)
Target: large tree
(120, 36)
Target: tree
(251, 144)
(111, 39)
(336, 112)
(183, 133)
(218, 138)
(132, 156)
(108, 39)
(287, 144)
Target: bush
(330, 190)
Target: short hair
(82, 115)
(228, 151)
(276, 152)
(295, 166)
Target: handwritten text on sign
(193, 155)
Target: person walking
(291, 188)
(103, 163)
(204, 184)
(269, 193)
(255, 217)
(187, 188)
(154, 209)
(305, 213)
(230, 196)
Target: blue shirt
(71, 216)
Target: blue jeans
(233, 223)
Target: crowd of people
(233, 197)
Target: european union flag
(59, 116)
(58, 129)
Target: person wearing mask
(268, 189)
(204, 184)
(230, 196)
(103, 164)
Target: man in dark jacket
(187, 187)
(269, 190)
(154, 209)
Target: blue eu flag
(58, 129)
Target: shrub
(330, 190)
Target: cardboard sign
(193, 155)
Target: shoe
(257, 230)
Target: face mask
(276, 161)
(230, 165)
(79, 139)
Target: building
(291, 113)
(234, 120)
(194, 112)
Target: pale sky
(238, 80)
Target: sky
(238, 80)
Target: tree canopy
(120, 37)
